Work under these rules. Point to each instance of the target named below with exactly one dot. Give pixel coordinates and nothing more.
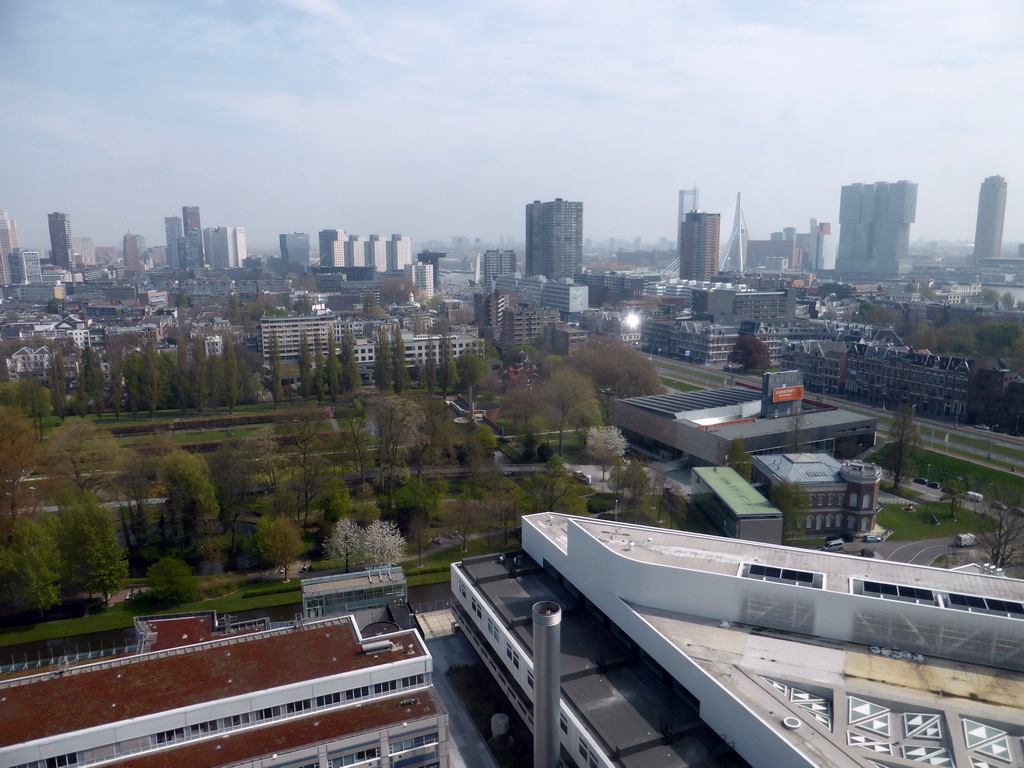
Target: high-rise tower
(332, 247)
(172, 228)
(689, 200)
(61, 252)
(132, 254)
(874, 229)
(192, 235)
(554, 238)
(224, 247)
(699, 236)
(988, 236)
(8, 244)
(294, 251)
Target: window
(356, 757)
(329, 700)
(414, 743)
(357, 693)
(385, 687)
(508, 650)
(563, 724)
(515, 660)
(298, 706)
(583, 749)
(529, 679)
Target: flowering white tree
(383, 543)
(606, 446)
(345, 540)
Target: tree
(278, 541)
(751, 352)
(606, 446)
(554, 490)
(471, 367)
(345, 541)
(465, 517)
(134, 477)
(739, 459)
(393, 421)
(399, 372)
(171, 581)
(433, 442)
(955, 489)
(446, 371)
(181, 375)
(58, 383)
(276, 391)
(81, 456)
(1001, 531)
(569, 395)
(522, 403)
(191, 508)
(617, 370)
(904, 442)
(151, 389)
(34, 400)
(333, 367)
(300, 425)
(792, 501)
(305, 366)
(230, 372)
(383, 543)
(350, 378)
(383, 372)
(633, 484)
(93, 560)
(429, 375)
(31, 564)
(19, 453)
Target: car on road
(983, 427)
(872, 538)
(935, 484)
(920, 481)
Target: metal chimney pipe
(547, 682)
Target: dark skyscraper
(172, 229)
(60, 240)
(132, 253)
(294, 251)
(190, 249)
(874, 229)
(988, 236)
(554, 239)
(332, 247)
(699, 237)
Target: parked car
(983, 427)
(935, 484)
(865, 552)
(872, 538)
(920, 481)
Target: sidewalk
(468, 749)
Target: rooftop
(735, 492)
(239, 746)
(717, 554)
(125, 688)
(804, 468)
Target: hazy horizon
(447, 118)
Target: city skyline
(217, 103)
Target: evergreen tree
(152, 379)
(350, 378)
(116, 384)
(430, 367)
(333, 367)
(446, 370)
(318, 373)
(305, 364)
(181, 375)
(400, 373)
(58, 384)
(382, 370)
(275, 371)
(229, 371)
(200, 388)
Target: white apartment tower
(423, 276)
(224, 247)
(355, 251)
(399, 253)
(8, 243)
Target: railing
(434, 605)
(66, 658)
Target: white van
(833, 544)
(974, 496)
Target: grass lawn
(682, 386)
(916, 525)
(121, 615)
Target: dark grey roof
(677, 403)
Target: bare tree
(904, 442)
(1001, 533)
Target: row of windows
(414, 743)
(232, 722)
(371, 753)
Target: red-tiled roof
(141, 685)
(249, 744)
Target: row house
(889, 376)
(823, 364)
(623, 327)
(694, 341)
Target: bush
(545, 452)
(172, 581)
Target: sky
(446, 117)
